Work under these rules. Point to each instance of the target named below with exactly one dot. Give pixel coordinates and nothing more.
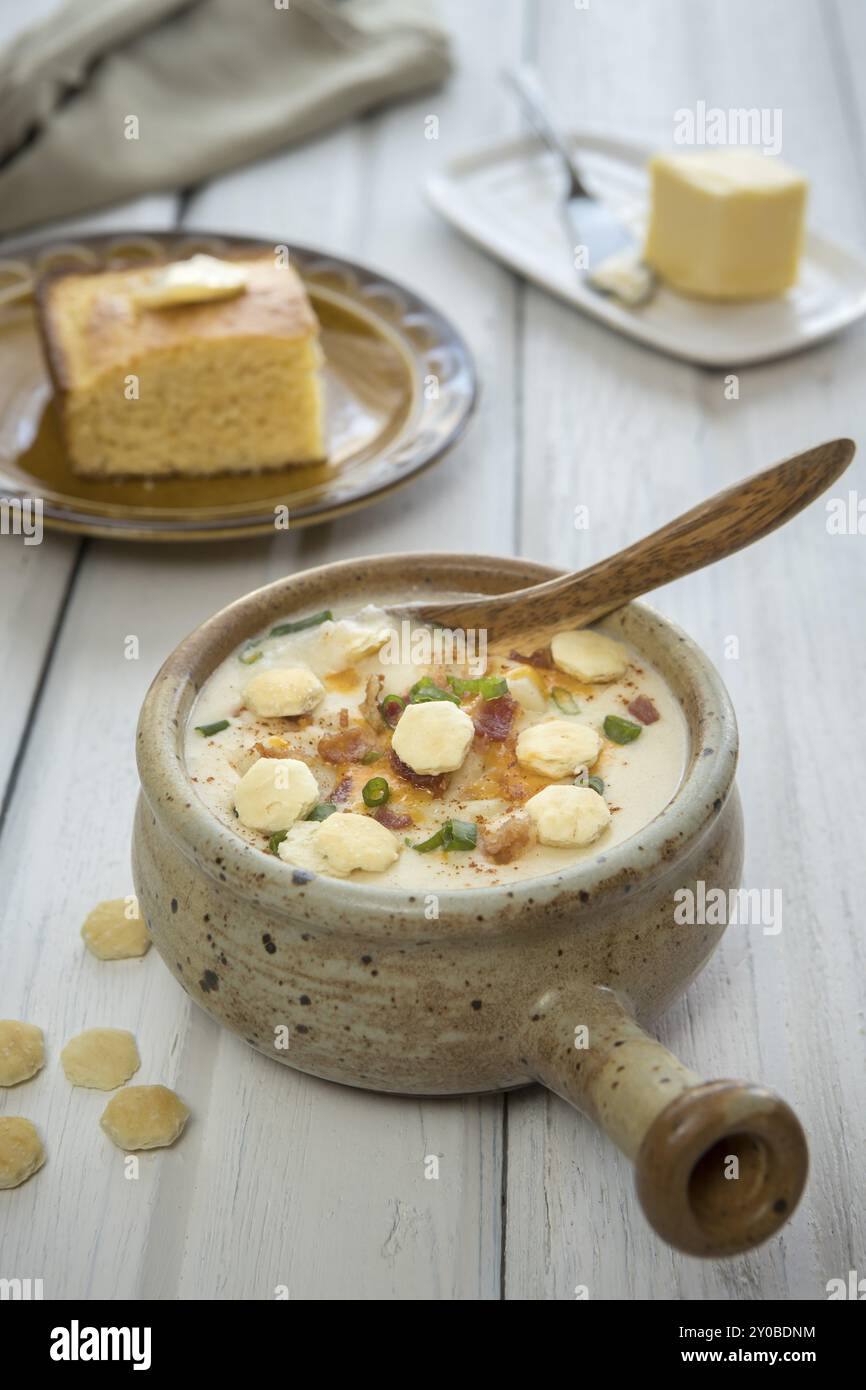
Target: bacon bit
(434, 784)
(276, 748)
(507, 837)
(343, 789)
(493, 718)
(391, 819)
(643, 709)
(541, 658)
(369, 706)
(348, 746)
(344, 719)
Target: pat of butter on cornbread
(725, 224)
(195, 368)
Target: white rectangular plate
(507, 198)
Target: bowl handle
(719, 1165)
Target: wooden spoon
(714, 529)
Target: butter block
(725, 224)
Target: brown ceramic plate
(399, 382)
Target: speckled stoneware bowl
(495, 993)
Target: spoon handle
(724, 524)
(719, 527)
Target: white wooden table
(282, 1180)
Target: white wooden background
(285, 1180)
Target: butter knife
(602, 246)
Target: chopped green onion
(276, 840)
(564, 700)
(322, 811)
(621, 730)
(459, 834)
(435, 842)
(595, 783)
(206, 730)
(372, 757)
(283, 629)
(454, 834)
(426, 690)
(376, 792)
(390, 708)
(491, 687)
(249, 654)
(488, 687)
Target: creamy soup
(367, 748)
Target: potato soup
(369, 748)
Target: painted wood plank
(845, 22)
(281, 1180)
(46, 975)
(369, 206)
(404, 1236)
(65, 846)
(637, 439)
(35, 579)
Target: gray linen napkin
(201, 86)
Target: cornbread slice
(223, 378)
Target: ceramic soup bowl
(549, 979)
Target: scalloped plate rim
(141, 524)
